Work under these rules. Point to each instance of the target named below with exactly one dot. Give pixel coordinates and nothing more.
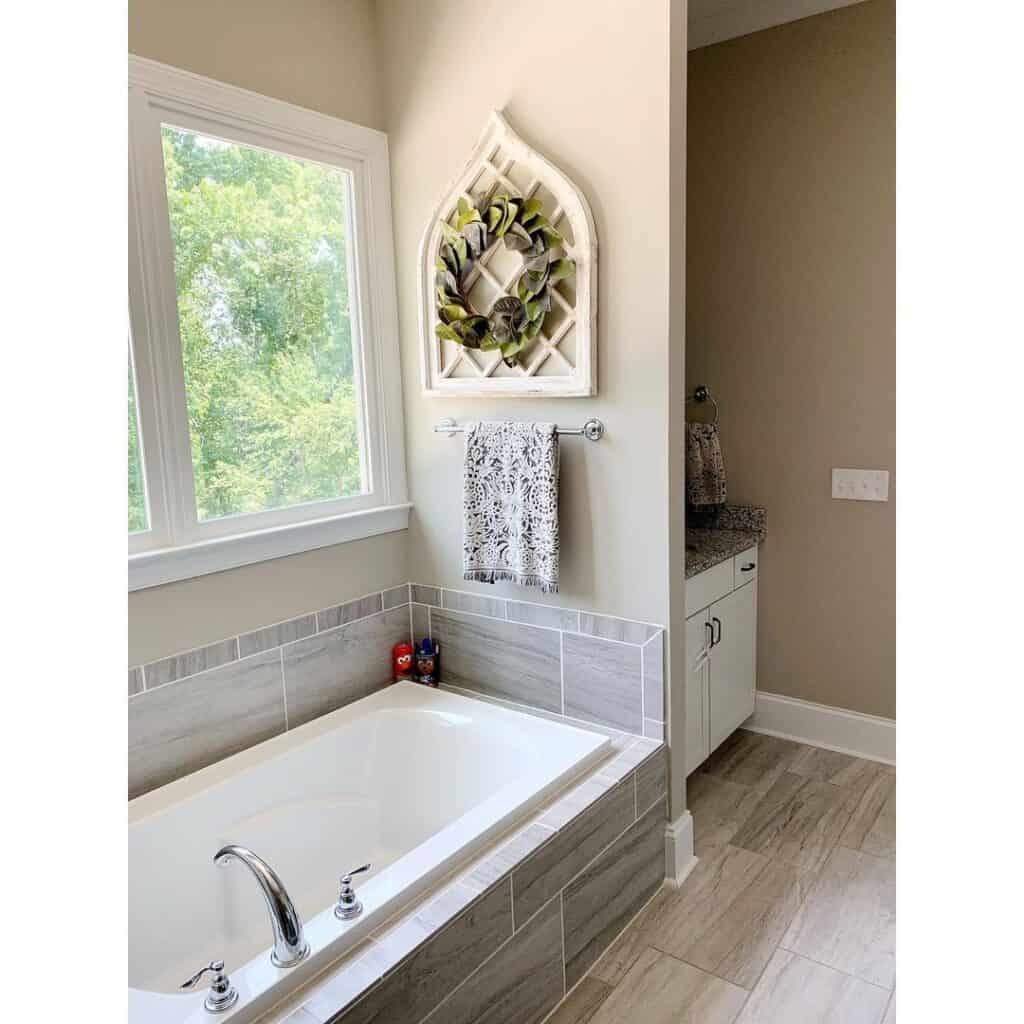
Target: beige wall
(791, 282)
(587, 82)
(319, 54)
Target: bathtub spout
(290, 944)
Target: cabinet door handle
(748, 567)
(711, 635)
(718, 639)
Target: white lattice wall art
(561, 359)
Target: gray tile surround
(571, 849)
(411, 991)
(396, 596)
(179, 666)
(404, 966)
(276, 636)
(610, 628)
(426, 595)
(521, 984)
(654, 677)
(501, 659)
(547, 615)
(360, 608)
(510, 650)
(603, 682)
(187, 725)
(603, 900)
(459, 601)
(332, 669)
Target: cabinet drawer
(744, 567)
(707, 587)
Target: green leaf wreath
(514, 320)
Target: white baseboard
(848, 732)
(679, 858)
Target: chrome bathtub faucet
(348, 906)
(222, 995)
(290, 945)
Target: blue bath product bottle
(427, 661)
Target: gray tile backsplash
(329, 670)
(501, 659)
(458, 601)
(184, 726)
(179, 666)
(654, 677)
(603, 681)
(548, 615)
(624, 630)
(276, 636)
(349, 611)
(593, 667)
(396, 595)
(426, 595)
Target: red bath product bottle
(401, 661)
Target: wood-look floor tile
(675, 917)
(582, 1003)
(839, 769)
(793, 990)
(799, 820)
(719, 808)
(752, 759)
(848, 920)
(738, 945)
(658, 989)
(622, 953)
(872, 828)
(890, 1014)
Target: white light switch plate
(860, 484)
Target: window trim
(177, 546)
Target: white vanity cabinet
(721, 651)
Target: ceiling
(712, 21)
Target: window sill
(152, 568)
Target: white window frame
(177, 545)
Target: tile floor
(790, 915)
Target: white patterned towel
(510, 501)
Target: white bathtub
(412, 779)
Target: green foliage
(137, 519)
(513, 322)
(263, 307)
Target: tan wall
(791, 286)
(587, 82)
(319, 54)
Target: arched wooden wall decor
(560, 357)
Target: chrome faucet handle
(348, 906)
(222, 995)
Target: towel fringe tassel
(504, 576)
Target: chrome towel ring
(701, 395)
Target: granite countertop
(713, 537)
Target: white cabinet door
(698, 634)
(733, 662)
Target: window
(264, 401)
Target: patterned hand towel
(705, 470)
(510, 502)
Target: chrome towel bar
(592, 430)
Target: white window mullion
(156, 306)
